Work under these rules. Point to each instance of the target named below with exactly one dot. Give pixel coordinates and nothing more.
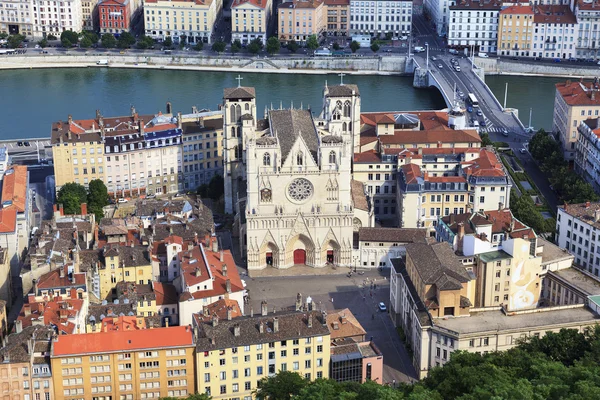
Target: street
(352, 293)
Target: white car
(522, 151)
(122, 200)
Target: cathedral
(288, 179)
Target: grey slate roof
(239, 93)
(332, 139)
(342, 90)
(395, 235)
(292, 325)
(288, 124)
(16, 350)
(266, 141)
(437, 264)
(130, 256)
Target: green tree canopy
(199, 46)
(196, 396)
(90, 35)
(273, 45)
(3, 35)
(86, 43)
(236, 46)
(126, 40)
(97, 198)
(68, 38)
(354, 46)
(219, 46)
(15, 40)
(312, 43)
(51, 37)
(255, 46)
(43, 43)
(336, 46)
(282, 386)
(168, 42)
(71, 196)
(108, 41)
(145, 42)
(374, 47)
(292, 46)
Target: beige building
(202, 147)
(250, 20)
(232, 355)
(515, 31)
(54, 20)
(300, 19)
(338, 17)
(574, 102)
(16, 17)
(193, 18)
(89, 12)
(132, 364)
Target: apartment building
(133, 155)
(115, 16)
(6, 288)
(250, 20)
(123, 264)
(438, 10)
(338, 17)
(574, 102)
(16, 17)
(588, 29)
(15, 214)
(25, 364)
(378, 18)
(577, 228)
(454, 183)
(194, 19)
(587, 157)
(202, 148)
(232, 355)
(300, 19)
(554, 32)
(133, 364)
(89, 13)
(378, 246)
(515, 31)
(56, 17)
(569, 286)
(474, 23)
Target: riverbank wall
(496, 66)
(386, 65)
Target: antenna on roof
(239, 79)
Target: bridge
(439, 73)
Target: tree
(51, 37)
(336, 46)
(216, 187)
(108, 41)
(375, 47)
(71, 196)
(282, 386)
(168, 42)
(3, 35)
(292, 46)
(69, 38)
(85, 43)
(219, 46)
(125, 40)
(236, 46)
(312, 43)
(255, 46)
(145, 42)
(354, 46)
(97, 198)
(273, 45)
(485, 140)
(199, 46)
(15, 40)
(182, 40)
(43, 43)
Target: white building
(16, 17)
(578, 231)
(474, 23)
(380, 17)
(438, 10)
(378, 246)
(554, 32)
(587, 157)
(51, 18)
(588, 29)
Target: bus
(472, 100)
(7, 51)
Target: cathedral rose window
(300, 189)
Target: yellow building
(338, 16)
(77, 155)
(135, 364)
(515, 31)
(123, 263)
(250, 20)
(299, 19)
(193, 18)
(232, 355)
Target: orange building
(131, 364)
(300, 19)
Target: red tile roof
(593, 5)
(579, 93)
(166, 293)
(370, 156)
(337, 2)
(411, 172)
(219, 308)
(123, 323)
(14, 188)
(520, 10)
(428, 119)
(430, 136)
(110, 342)
(53, 279)
(486, 165)
(553, 14)
(56, 312)
(8, 220)
(256, 3)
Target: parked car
(469, 109)
(440, 66)
(122, 200)
(20, 144)
(557, 60)
(151, 196)
(504, 132)
(26, 144)
(433, 58)
(382, 307)
(479, 113)
(522, 151)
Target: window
(300, 158)
(266, 159)
(332, 157)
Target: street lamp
(427, 57)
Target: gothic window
(300, 158)
(247, 107)
(266, 159)
(235, 152)
(347, 109)
(344, 127)
(238, 112)
(233, 131)
(232, 113)
(332, 157)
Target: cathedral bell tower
(341, 110)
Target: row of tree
(72, 195)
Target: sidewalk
(298, 270)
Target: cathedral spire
(292, 105)
(266, 112)
(280, 105)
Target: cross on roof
(341, 75)
(239, 79)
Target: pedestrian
(332, 299)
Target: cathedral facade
(288, 178)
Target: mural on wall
(524, 291)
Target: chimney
(215, 320)
(61, 209)
(215, 245)
(61, 271)
(236, 330)
(343, 319)
(298, 302)
(596, 215)
(133, 111)
(566, 206)
(224, 268)
(18, 326)
(70, 119)
(275, 324)
(205, 310)
(229, 312)
(228, 285)
(179, 120)
(166, 322)
(500, 206)
(310, 318)
(251, 312)
(141, 126)
(83, 208)
(263, 308)
(197, 272)
(336, 325)
(461, 230)
(98, 114)
(27, 310)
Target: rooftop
(552, 252)
(437, 265)
(359, 198)
(343, 324)
(580, 93)
(396, 235)
(501, 221)
(477, 5)
(497, 321)
(17, 348)
(242, 92)
(289, 125)
(219, 308)
(587, 283)
(14, 188)
(410, 137)
(517, 10)
(301, 4)
(553, 14)
(588, 213)
(115, 341)
(342, 90)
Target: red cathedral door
(299, 256)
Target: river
(31, 100)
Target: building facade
(379, 18)
(250, 20)
(554, 32)
(577, 228)
(587, 157)
(474, 23)
(55, 20)
(115, 16)
(378, 246)
(89, 13)
(16, 17)
(300, 19)
(574, 102)
(515, 31)
(438, 11)
(338, 17)
(193, 19)
(588, 29)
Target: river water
(30, 100)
